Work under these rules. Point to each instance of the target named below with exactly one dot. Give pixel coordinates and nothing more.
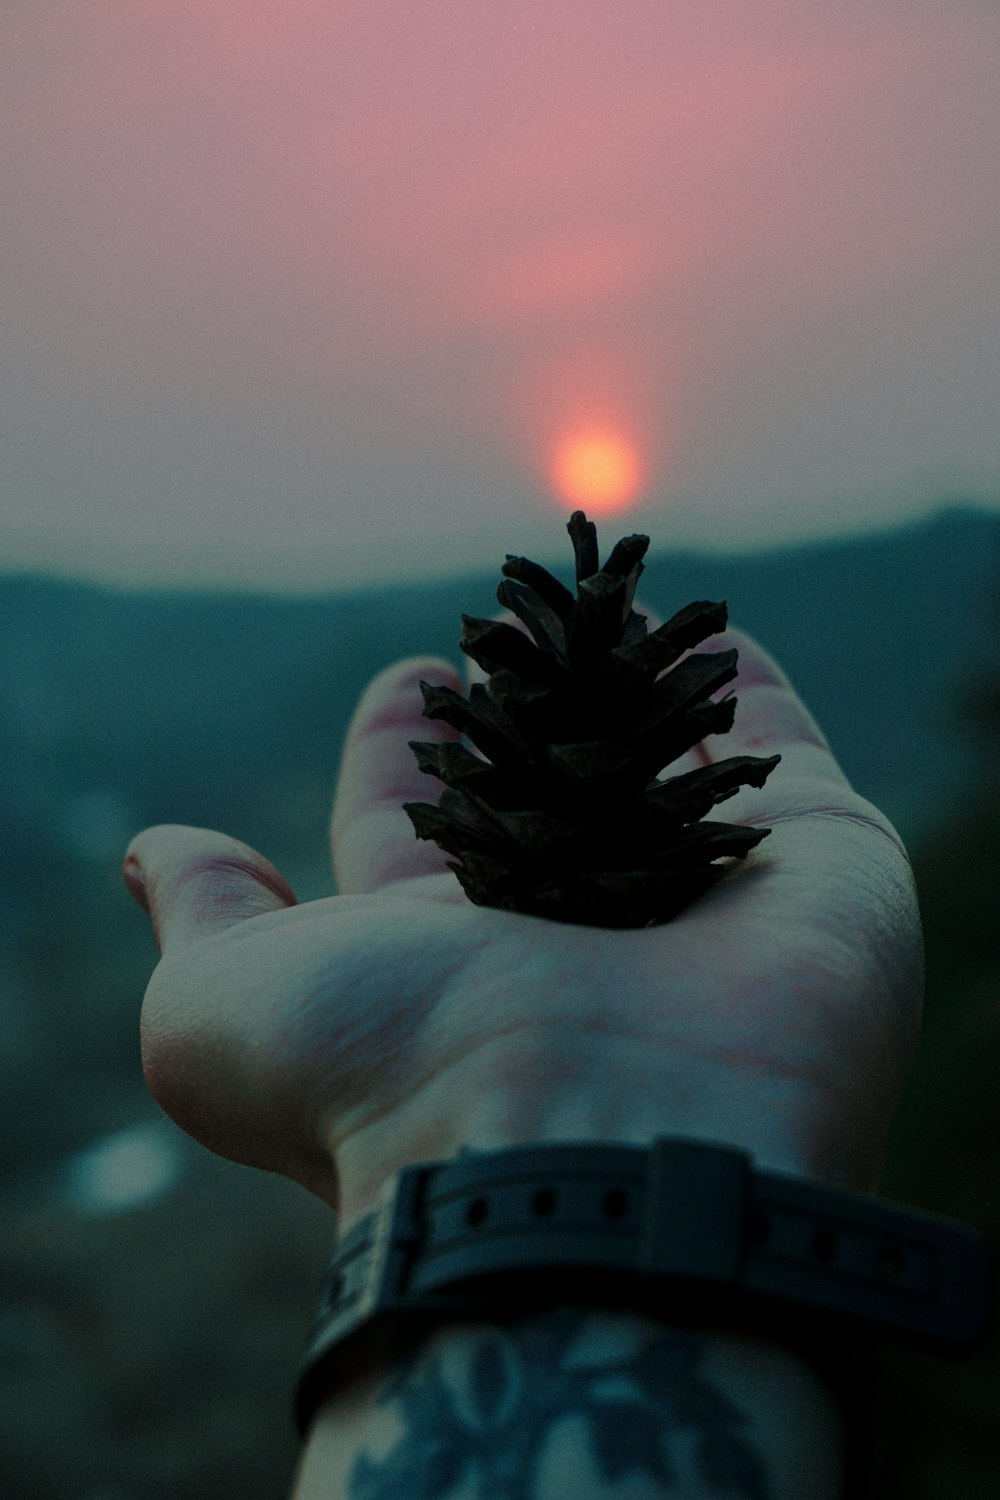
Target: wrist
(524, 1097)
(686, 1236)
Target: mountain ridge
(200, 706)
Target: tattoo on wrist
(480, 1414)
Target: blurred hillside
(118, 710)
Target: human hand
(339, 1040)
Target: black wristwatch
(682, 1230)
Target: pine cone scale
(681, 732)
(552, 593)
(686, 798)
(637, 665)
(496, 646)
(583, 535)
(689, 684)
(545, 625)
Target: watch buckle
(397, 1234)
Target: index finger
(372, 840)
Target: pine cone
(565, 817)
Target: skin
(337, 1040)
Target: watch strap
(685, 1230)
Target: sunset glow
(311, 295)
(596, 471)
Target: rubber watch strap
(683, 1230)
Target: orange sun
(596, 471)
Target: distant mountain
(118, 708)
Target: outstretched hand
(338, 1040)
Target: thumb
(194, 882)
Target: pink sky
(306, 293)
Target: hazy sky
(307, 292)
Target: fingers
(372, 840)
(194, 882)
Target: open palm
(338, 1040)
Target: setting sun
(596, 471)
